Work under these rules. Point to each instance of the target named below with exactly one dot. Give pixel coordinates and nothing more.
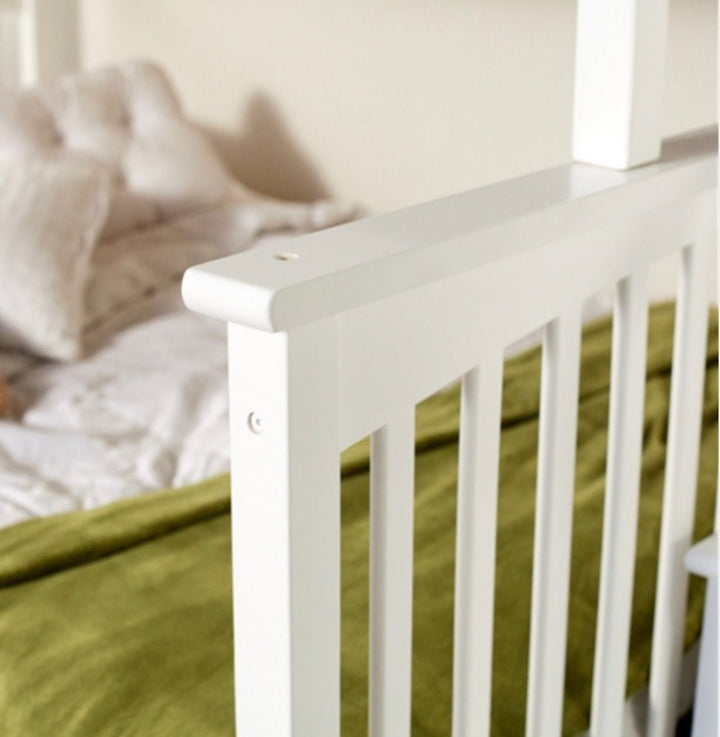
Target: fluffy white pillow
(51, 214)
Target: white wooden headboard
(39, 40)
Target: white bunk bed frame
(342, 337)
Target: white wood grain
(619, 81)
(392, 498)
(285, 531)
(480, 417)
(621, 505)
(680, 485)
(553, 524)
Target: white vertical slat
(391, 576)
(619, 80)
(686, 396)
(627, 392)
(286, 530)
(480, 419)
(553, 524)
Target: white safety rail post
(286, 530)
(480, 418)
(619, 79)
(627, 392)
(683, 443)
(553, 524)
(392, 499)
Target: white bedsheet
(147, 411)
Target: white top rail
(349, 266)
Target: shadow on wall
(264, 156)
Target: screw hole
(287, 256)
(255, 423)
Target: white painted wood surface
(463, 330)
(553, 524)
(686, 396)
(363, 262)
(286, 531)
(392, 499)
(627, 392)
(480, 418)
(619, 81)
(377, 315)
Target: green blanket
(117, 621)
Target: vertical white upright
(286, 530)
(391, 576)
(619, 80)
(49, 40)
(627, 393)
(480, 421)
(553, 524)
(686, 402)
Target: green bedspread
(117, 621)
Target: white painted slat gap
(480, 418)
(392, 497)
(686, 396)
(553, 524)
(627, 392)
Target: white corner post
(49, 40)
(285, 530)
(619, 81)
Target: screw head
(255, 423)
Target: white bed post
(619, 79)
(49, 40)
(286, 530)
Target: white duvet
(147, 409)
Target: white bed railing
(342, 337)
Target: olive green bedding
(117, 621)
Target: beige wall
(385, 102)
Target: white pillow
(50, 216)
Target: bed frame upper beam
(357, 264)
